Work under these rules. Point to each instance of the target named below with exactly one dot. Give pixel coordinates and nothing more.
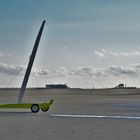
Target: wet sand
(22, 124)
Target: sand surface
(18, 124)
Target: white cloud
(9, 69)
(43, 72)
(115, 71)
(82, 71)
(111, 53)
(108, 52)
(2, 54)
(132, 70)
(127, 71)
(61, 71)
(66, 47)
(99, 54)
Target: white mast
(30, 64)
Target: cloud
(9, 69)
(99, 54)
(61, 71)
(123, 71)
(82, 71)
(66, 47)
(132, 70)
(108, 52)
(3, 54)
(14, 69)
(43, 72)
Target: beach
(23, 124)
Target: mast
(30, 64)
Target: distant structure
(57, 86)
(120, 86)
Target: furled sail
(30, 64)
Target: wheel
(35, 108)
(45, 109)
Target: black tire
(35, 108)
(45, 110)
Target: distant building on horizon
(120, 86)
(57, 86)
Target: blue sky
(85, 43)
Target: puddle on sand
(127, 106)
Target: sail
(30, 64)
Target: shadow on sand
(23, 113)
(15, 113)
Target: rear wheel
(35, 108)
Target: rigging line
(17, 73)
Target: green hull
(26, 105)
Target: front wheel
(35, 108)
(45, 109)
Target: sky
(85, 43)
